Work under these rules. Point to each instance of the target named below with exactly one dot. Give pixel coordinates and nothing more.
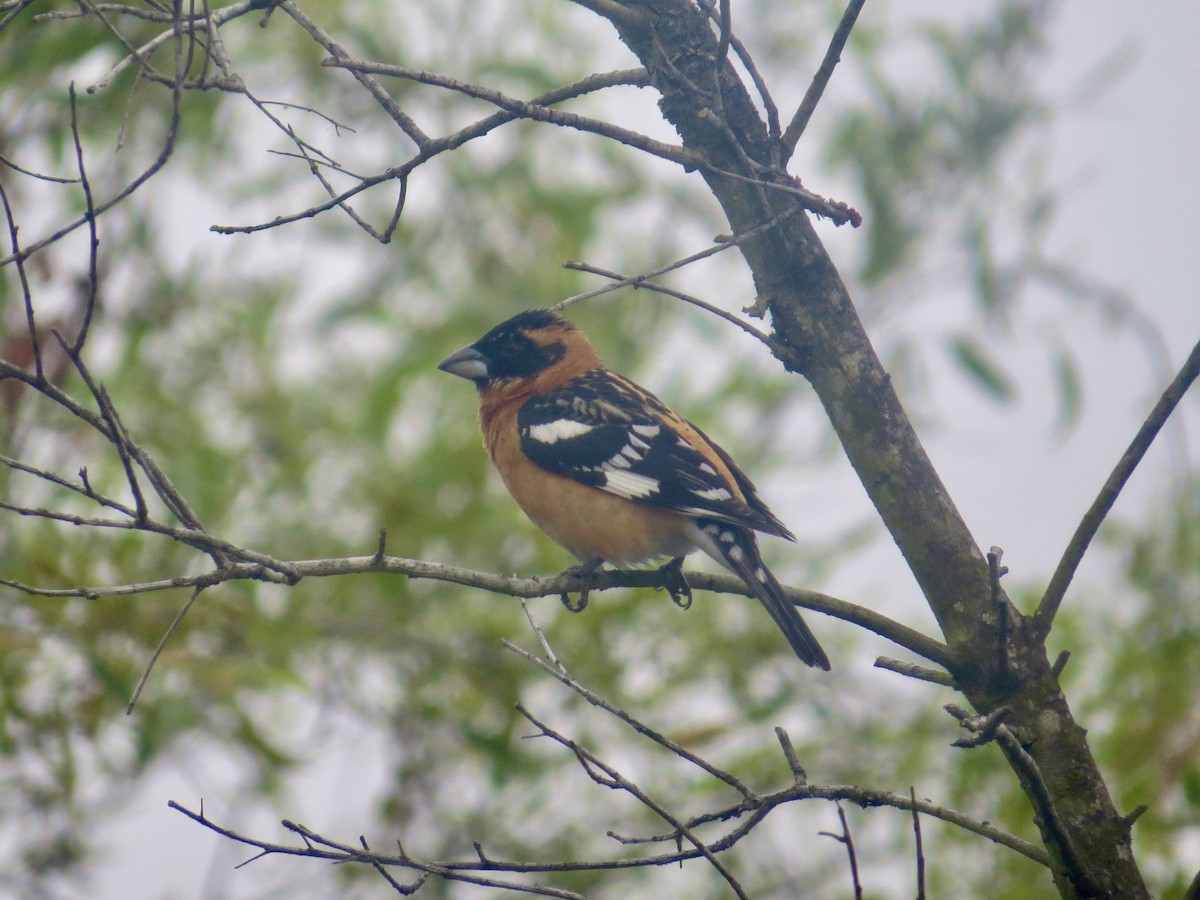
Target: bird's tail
(739, 551)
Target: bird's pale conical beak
(466, 363)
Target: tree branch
(450, 142)
(1043, 619)
(535, 111)
(813, 95)
(508, 585)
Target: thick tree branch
(823, 338)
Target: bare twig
(846, 839)
(137, 691)
(558, 672)
(747, 60)
(453, 141)
(89, 308)
(912, 670)
(1043, 619)
(812, 96)
(605, 775)
(38, 175)
(1000, 605)
(717, 247)
(318, 847)
(86, 490)
(35, 342)
(165, 152)
(920, 847)
(526, 110)
(404, 890)
(508, 585)
(726, 23)
(991, 727)
(754, 814)
(373, 87)
(546, 648)
(678, 295)
(789, 753)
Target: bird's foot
(583, 573)
(676, 583)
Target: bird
(610, 472)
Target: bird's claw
(583, 573)
(676, 583)
(575, 606)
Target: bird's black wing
(604, 430)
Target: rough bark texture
(999, 660)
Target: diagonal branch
(372, 85)
(607, 776)
(813, 96)
(437, 146)
(1043, 619)
(525, 110)
(646, 731)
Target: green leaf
(977, 362)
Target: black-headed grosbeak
(607, 470)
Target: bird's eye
(512, 349)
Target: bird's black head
(525, 346)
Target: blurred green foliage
(286, 383)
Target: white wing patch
(717, 493)
(558, 430)
(650, 431)
(629, 485)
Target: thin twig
(920, 847)
(546, 648)
(812, 96)
(760, 83)
(1043, 619)
(846, 839)
(606, 775)
(318, 847)
(641, 728)
(137, 691)
(1053, 829)
(168, 148)
(54, 179)
(374, 88)
(1000, 604)
(912, 670)
(678, 295)
(526, 110)
(718, 247)
(89, 308)
(789, 753)
(35, 342)
(437, 146)
(726, 22)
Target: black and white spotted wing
(603, 430)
